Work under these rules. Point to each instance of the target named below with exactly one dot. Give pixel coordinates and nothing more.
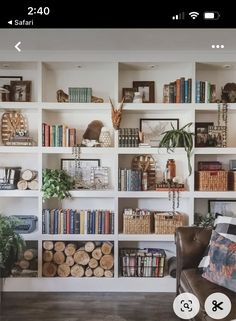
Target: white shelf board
(78, 237)
(35, 236)
(93, 193)
(215, 151)
(146, 237)
(148, 150)
(212, 107)
(221, 194)
(84, 284)
(20, 105)
(18, 193)
(19, 149)
(155, 107)
(149, 194)
(63, 107)
(84, 150)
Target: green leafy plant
(11, 244)
(204, 220)
(179, 138)
(56, 183)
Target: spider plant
(179, 138)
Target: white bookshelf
(107, 80)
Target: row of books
(129, 180)
(128, 137)
(70, 221)
(58, 136)
(80, 95)
(205, 92)
(142, 262)
(179, 91)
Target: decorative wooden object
(29, 175)
(70, 260)
(49, 269)
(107, 247)
(27, 266)
(47, 256)
(59, 246)
(62, 97)
(33, 185)
(48, 245)
(70, 249)
(22, 185)
(107, 262)
(98, 272)
(59, 257)
(30, 254)
(97, 253)
(116, 114)
(89, 247)
(63, 270)
(82, 257)
(95, 99)
(10, 123)
(77, 270)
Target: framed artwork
(223, 207)
(153, 129)
(201, 134)
(146, 90)
(99, 177)
(82, 175)
(128, 95)
(217, 136)
(21, 90)
(5, 86)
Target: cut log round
(24, 273)
(77, 271)
(70, 261)
(63, 270)
(81, 257)
(99, 272)
(29, 175)
(23, 264)
(97, 253)
(59, 258)
(48, 245)
(93, 263)
(88, 272)
(33, 185)
(107, 262)
(108, 273)
(107, 247)
(30, 254)
(49, 269)
(70, 249)
(59, 246)
(22, 185)
(47, 256)
(89, 247)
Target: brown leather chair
(191, 243)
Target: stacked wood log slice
(27, 266)
(28, 180)
(77, 259)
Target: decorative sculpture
(116, 114)
(62, 97)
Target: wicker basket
(137, 222)
(211, 180)
(167, 222)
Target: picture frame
(222, 207)
(153, 128)
(146, 90)
(21, 90)
(201, 134)
(128, 94)
(217, 136)
(5, 83)
(84, 172)
(99, 177)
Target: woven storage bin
(211, 181)
(232, 181)
(136, 223)
(167, 222)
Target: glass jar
(137, 98)
(171, 168)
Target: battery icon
(213, 15)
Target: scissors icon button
(217, 305)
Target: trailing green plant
(11, 244)
(56, 183)
(204, 220)
(179, 138)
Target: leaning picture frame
(81, 173)
(222, 207)
(146, 90)
(128, 94)
(21, 90)
(201, 134)
(99, 177)
(5, 85)
(153, 128)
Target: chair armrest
(191, 243)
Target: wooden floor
(87, 307)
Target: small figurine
(62, 97)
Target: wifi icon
(194, 14)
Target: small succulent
(204, 220)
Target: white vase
(105, 137)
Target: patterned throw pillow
(225, 226)
(222, 267)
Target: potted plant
(11, 244)
(179, 138)
(56, 183)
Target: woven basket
(211, 180)
(167, 222)
(137, 223)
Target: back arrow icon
(17, 46)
